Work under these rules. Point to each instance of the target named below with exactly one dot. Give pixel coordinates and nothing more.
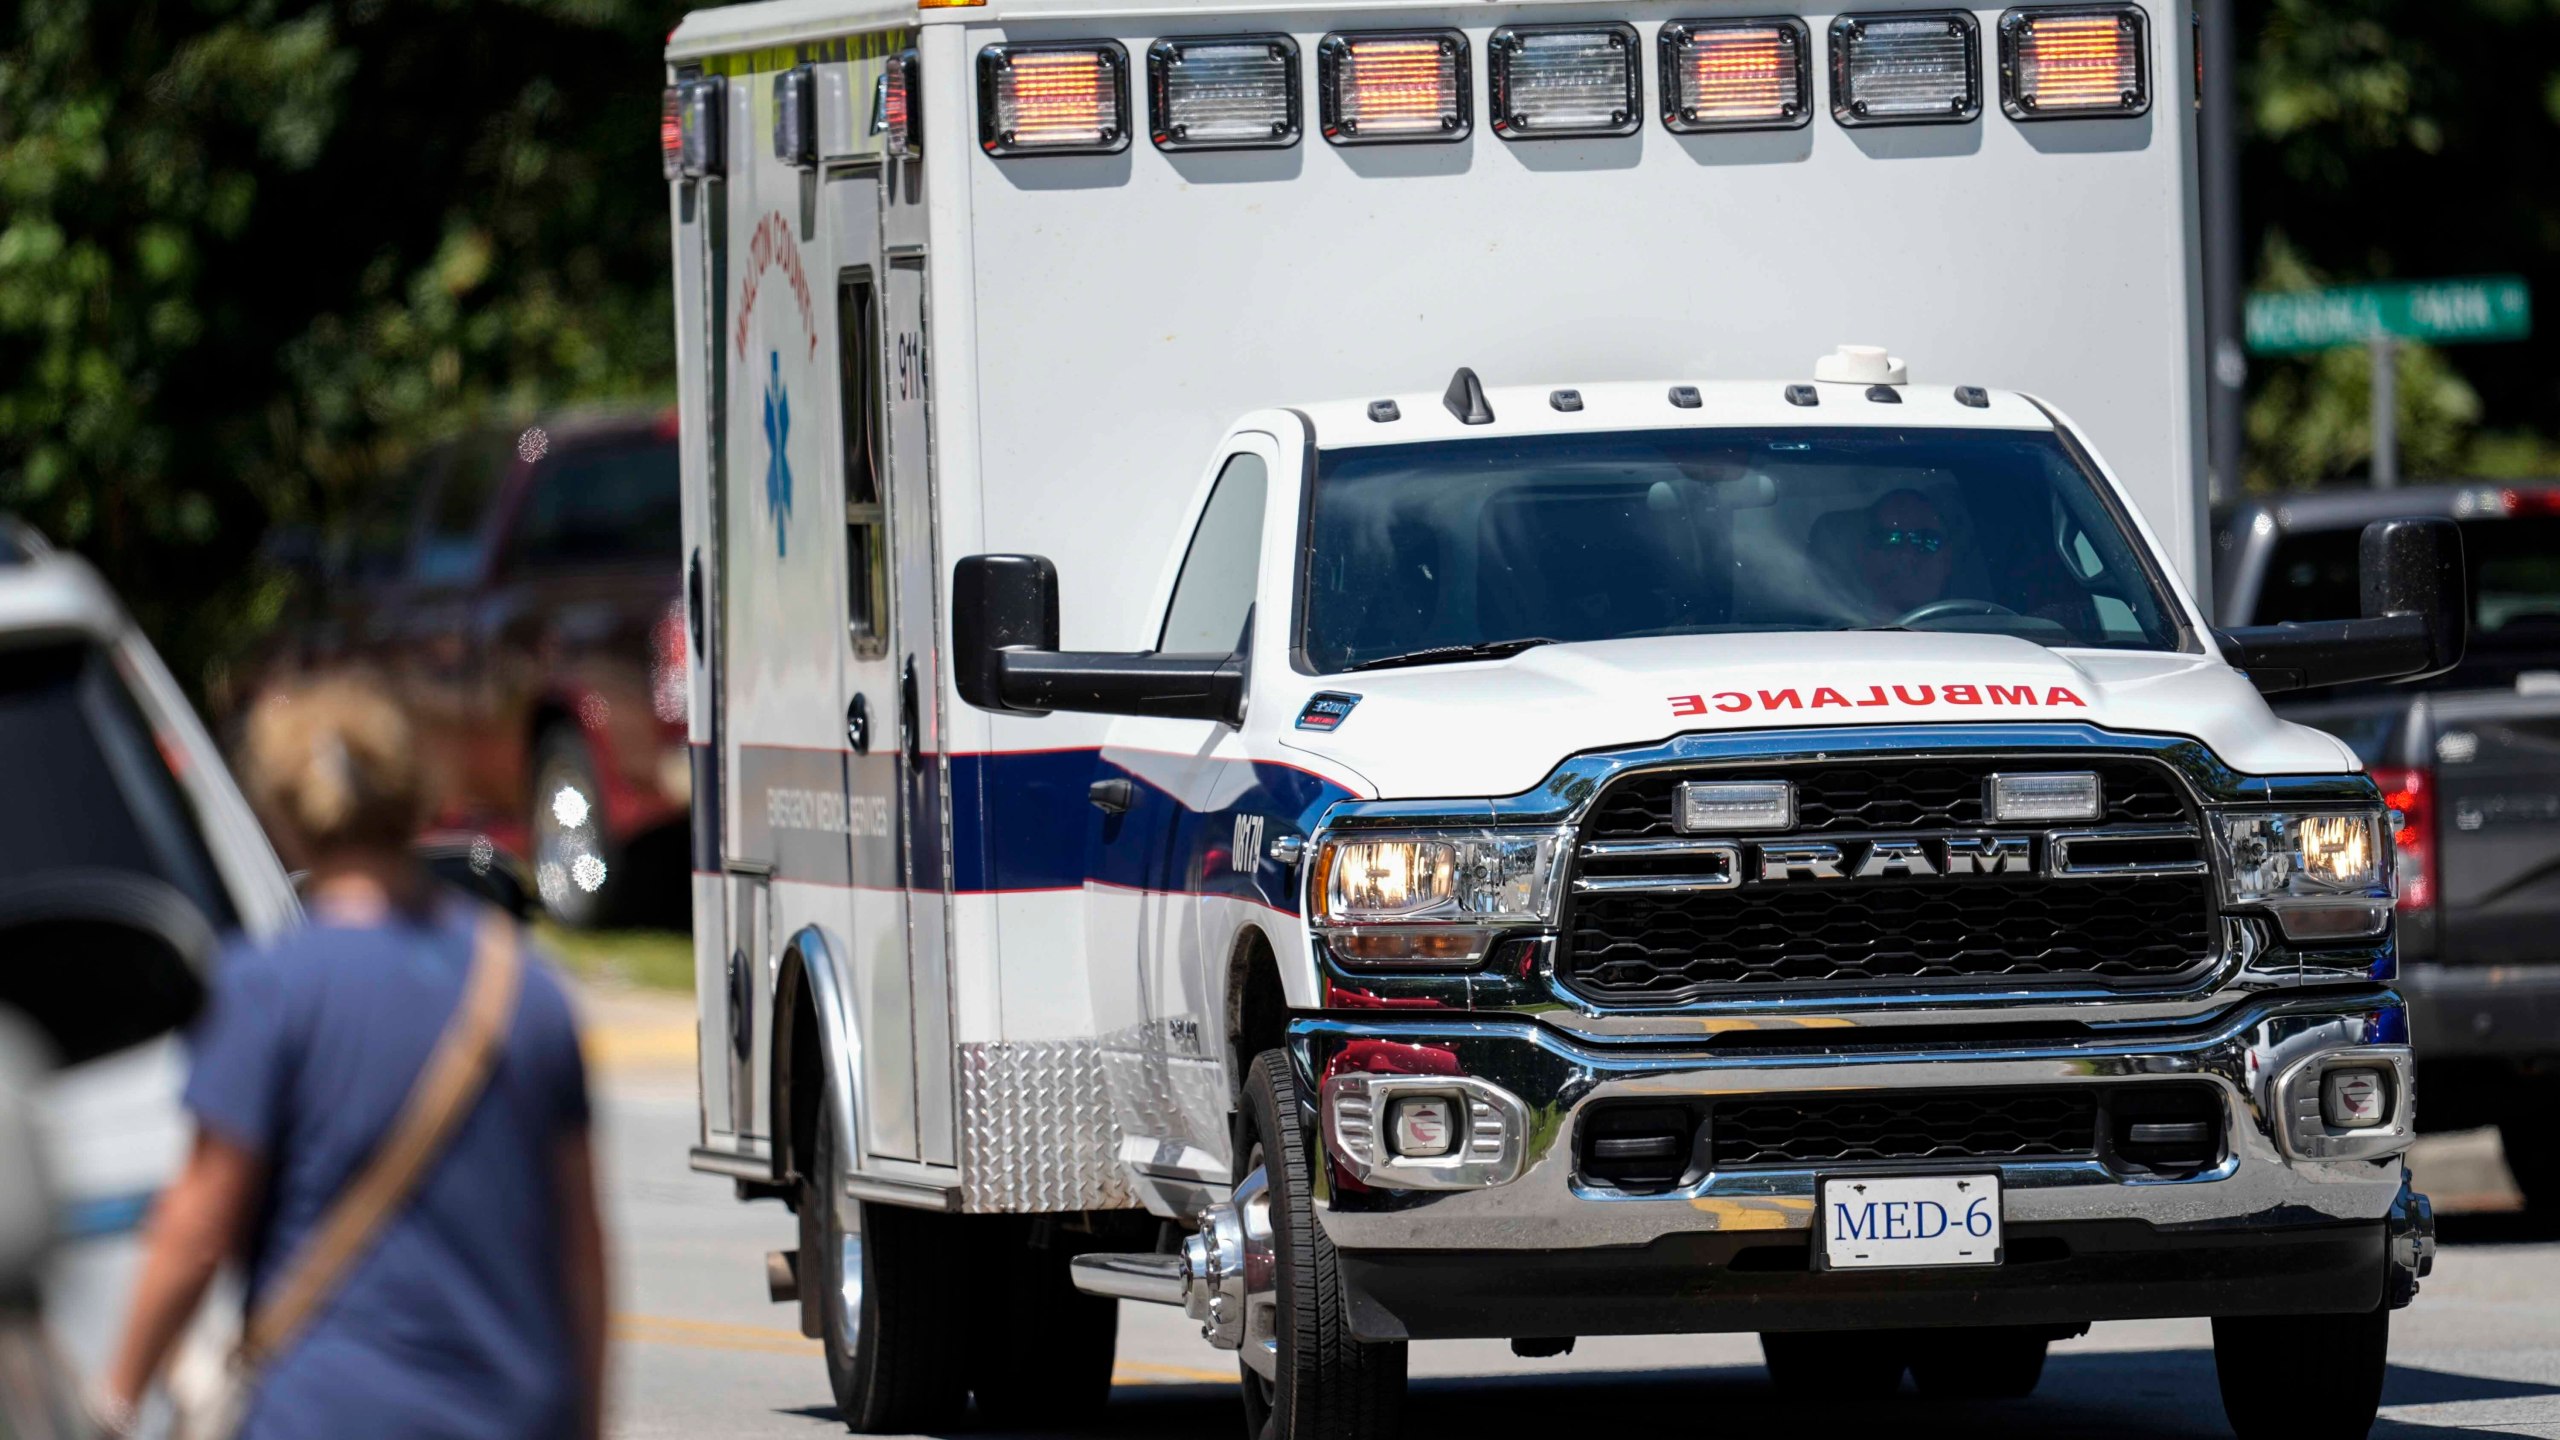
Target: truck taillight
(669, 664)
(1911, 69)
(2410, 792)
(2063, 62)
(1388, 86)
(1053, 99)
(689, 128)
(671, 132)
(1736, 74)
(1556, 81)
(1234, 92)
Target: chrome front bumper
(2279, 1170)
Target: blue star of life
(777, 468)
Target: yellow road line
(1147, 1372)
(773, 1340)
(624, 1047)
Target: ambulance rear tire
(1327, 1385)
(2302, 1377)
(896, 1345)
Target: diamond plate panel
(1036, 1130)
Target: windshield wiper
(1448, 654)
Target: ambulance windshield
(1452, 544)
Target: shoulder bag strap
(443, 1094)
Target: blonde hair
(332, 764)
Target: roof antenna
(1465, 398)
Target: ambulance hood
(1498, 727)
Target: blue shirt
(455, 1320)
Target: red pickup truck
(522, 589)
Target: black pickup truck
(2471, 760)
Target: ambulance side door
(1167, 858)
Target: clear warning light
(1228, 94)
(1564, 80)
(2057, 63)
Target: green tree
(252, 252)
(2403, 139)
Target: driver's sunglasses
(1927, 542)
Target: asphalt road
(702, 1353)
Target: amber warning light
(1053, 99)
(1385, 88)
(1747, 75)
(2058, 64)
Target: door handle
(909, 731)
(1112, 796)
(857, 725)
(742, 1019)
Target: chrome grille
(1654, 917)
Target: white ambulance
(1322, 695)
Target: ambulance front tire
(896, 1343)
(1326, 1385)
(2302, 1377)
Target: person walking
(391, 1133)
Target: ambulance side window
(1215, 593)
(866, 521)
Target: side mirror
(1005, 655)
(2416, 622)
(101, 960)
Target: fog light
(1424, 1127)
(2354, 1099)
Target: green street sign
(2496, 307)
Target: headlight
(2324, 875)
(1435, 896)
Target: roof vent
(1862, 365)
(1465, 398)
(1685, 396)
(1383, 411)
(1803, 395)
(1973, 396)
(1567, 400)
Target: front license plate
(1890, 1222)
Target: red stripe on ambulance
(1825, 697)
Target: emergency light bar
(1906, 69)
(1550, 82)
(2066, 62)
(1225, 92)
(1736, 75)
(1387, 87)
(689, 129)
(1053, 99)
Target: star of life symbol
(777, 467)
